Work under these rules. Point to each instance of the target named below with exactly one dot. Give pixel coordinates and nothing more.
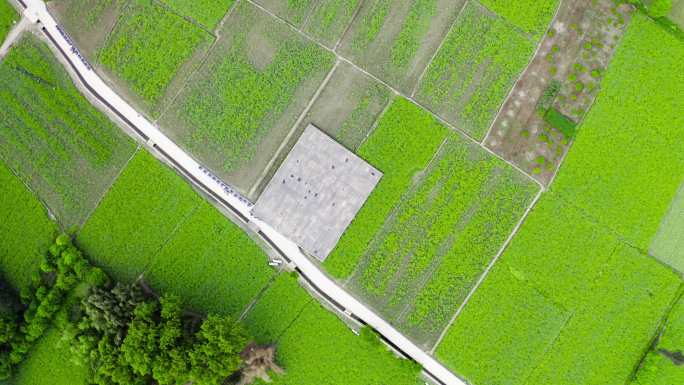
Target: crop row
(599, 291)
(441, 236)
(25, 228)
(329, 19)
(8, 16)
(149, 47)
(206, 12)
(474, 70)
(402, 144)
(532, 16)
(627, 154)
(53, 137)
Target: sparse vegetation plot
(149, 48)
(64, 148)
(475, 69)
(8, 16)
(329, 19)
(532, 16)
(294, 11)
(395, 39)
(206, 12)
(246, 98)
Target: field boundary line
(111, 184)
(439, 48)
(348, 27)
(375, 123)
(307, 18)
(397, 92)
(485, 273)
(260, 294)
(184, 17)
(294, 128)
(561, 3)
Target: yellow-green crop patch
(532, 16)
(614, 296)
(206, 12)
(626, 164)
(234, 114)
(475, 69)
(151, 49)
(395, 40)
(53, 137)
(8, 16)
(25, 227)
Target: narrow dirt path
(13, 36)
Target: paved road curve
(37, 12)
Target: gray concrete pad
(316, 192)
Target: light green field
(532, 16)
(64, 148)
(668, 244)
(475, 69)
(627, 153)
(206, 12)
(8, 16)
(26, 230)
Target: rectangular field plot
(614, 296)
(209, 254)
(658, 367)
(26, 230)
(474, 69)
(329, 19)
(240, 106)
(88, 22)
(294, 11)
(532, 16)
(64, 148)
(402, 145)
(627, 153)
(137, 217)
(395, 40)
(206, 12)
(152, 49)
(8, 16)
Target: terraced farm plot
(627, 152)
(532, 16)
(474, 70)
(26, 230)
(206, 12)
(615, 297)
(8, 16)
(64, 148)
(209, 254)
(395, 40)
(419, 254)
(152, 49)
(137, 217)
(658, 367)
(329, 19)
(401, 146)
(239, 108)
(88, 22)
(294, 11)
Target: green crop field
(668, 243)
(294, 11)
(474, 70)
(401, 145)
(532, 16)
(64, 148)
(151, 49)
(243, 102)
(206, 12)
(658, 367)
(137, 217)
(329, 19)
(8, 16)
(25, 227)
(428, 231)
(602, 296)
(49, 364)
(209, 254)
(627, 153)
(396, 39)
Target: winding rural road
(36, 12)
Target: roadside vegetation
(149, 48)
(53, 137)
(208, 13)
(8, 16)
(238, 109)
(474, 70)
